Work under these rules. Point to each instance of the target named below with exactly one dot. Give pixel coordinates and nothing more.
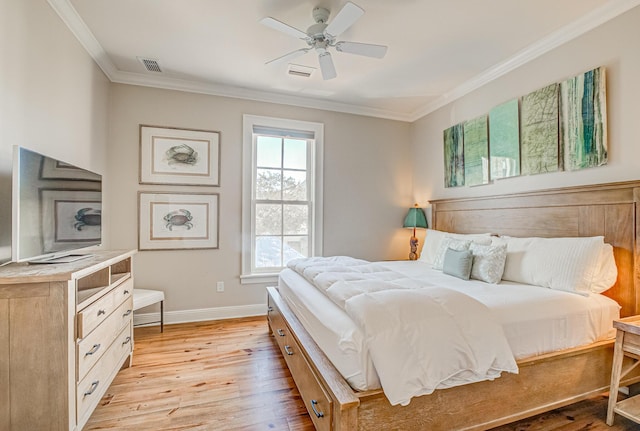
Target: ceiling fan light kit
(321, 36)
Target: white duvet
(420, 337)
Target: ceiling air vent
(299, 70)
(150, 64)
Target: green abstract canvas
(476, 151)
(453, 157)
(540, 151)
(504, 140)
(583, 120)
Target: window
(282, 195)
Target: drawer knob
(92, 389)
(280, 332)
(126, 341)
(93, 350)
(101, 312)
(319, 414)
(287, 349)
(127, 313)
(126, 292)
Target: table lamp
(415, 218)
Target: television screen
(57, 208)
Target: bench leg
(161, 316)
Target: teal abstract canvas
(504, 140)
(540, 151)
(476, 152)
(453, 157)
(583, 120)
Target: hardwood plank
(230, 375)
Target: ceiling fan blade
(289, 56)
(366, 49)
(326, 66)
(345, 19)
(284, 28)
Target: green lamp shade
(415, 218)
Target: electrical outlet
(220, 286)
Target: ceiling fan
(322, 36)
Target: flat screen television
(56, 209)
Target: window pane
(295, 247)
(294, 187)
(296, 219)
(295, 154)
(268, 219)
(269, 184)
(268, 252)
(268, 152)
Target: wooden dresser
(65, 332)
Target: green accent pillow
(458, 263)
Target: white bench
(145, 297)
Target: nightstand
(627, 344)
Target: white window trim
(248, 123)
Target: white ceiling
(438, 49)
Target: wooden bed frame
(544, 382)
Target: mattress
(535, 320)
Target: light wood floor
(229, 375)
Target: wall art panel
(539, 149)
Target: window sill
(259, 278)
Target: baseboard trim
(199, 315)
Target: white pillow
(449, 243)
(568, 264)
(431, 246)
(488, 262)
(607, 270)
(433, 238)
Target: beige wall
(53, 97)
(367, 189)
(613, 45)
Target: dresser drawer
(94, 385)
(316, 400)
(92, 315)
(90, 349)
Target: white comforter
(421, 337)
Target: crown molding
(169, 83)
(74, 22)
(594, 19)
(597, 17)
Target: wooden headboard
(610, 210)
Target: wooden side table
(627, 344)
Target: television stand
(65, 332)
(60, 259)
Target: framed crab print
(174, 221)
(69, 218)
(170, 155)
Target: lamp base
(413, 242)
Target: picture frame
(178, 221)
(177, 156)
(51, 169)
(70, 217)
